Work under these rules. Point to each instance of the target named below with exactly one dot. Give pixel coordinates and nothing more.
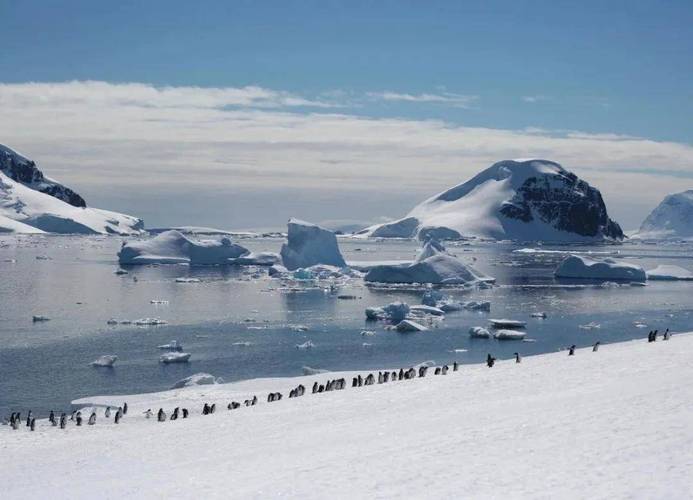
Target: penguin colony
(384, 377)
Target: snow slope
(513, 199)
(673, 218)
(608, 425)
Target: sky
(242, 114)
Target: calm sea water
(238, 323)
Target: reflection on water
(237, 326)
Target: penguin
(370, 379)
(161, 415)
(174, 415)
(437, 372)
(667, 334)
(354, 383)
(455, 366)
(360, 380)
(518, 359)
(116, 419)
(28, 419)
(72, 417)
(205, 409)
(386, 377)
(12, 420)
(107, 413)
(393, 376)
(185, 413)
(92, 418)
(321, 388)
(51, 419)
(125, 408)
(78, 418)
(444, 370)
(571, 350)
(254, 401)
(654, 336)
(595, 347)
(400, 376)
(421, 371)
(315, 386)
(63, 421)
(490, 361)
(270, 397)
(147, 414)
(33, 424)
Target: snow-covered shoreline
(616, 423)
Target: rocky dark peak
(564, 201)
(25, 171)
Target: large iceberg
(172, 247)
(513, 199)
(38, 204)
(580, 266)
(671, 219)
(308, 244)
(433, 265)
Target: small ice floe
(366, 344)
(172, 346)
(613, 284)
(299, 328)
(38, 319)
(174, 357)
(43, 257)
(479, 332)
(242, 344)
(105, 361)
(540, 315)
(424, 309)
(507, 323)
(149, 322)
(307, 370)
(396, 311)
(509, 334)
(158, 302)
(639, 324)
(197, 379)
(187, 280)
(475, 305)
(367, 333)
(460, 350)
(347, 297)
(407, 325)
(120, 271)
(306, 345)
(592, 325)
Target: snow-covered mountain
(512, 199)
(673, 218)
(32, 203)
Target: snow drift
(172, 247)
(38, 204)
(308, 244)
(513, 199)
(671, 219)
(580, 266)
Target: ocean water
(238, 323)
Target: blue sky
(552, 68)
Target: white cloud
(456, 100)
(138, 138)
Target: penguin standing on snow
(455, 366)
(518, 359)
(63, 421)
(147, 414)
(78, 418)
(571, 350)
(116, 419)
(595, 347)
(28, 419)
(125, 408)
(92, 418)
(490, 361)
(667, 334)
(107, 413)
(33, 424)
(174, 415)
(185, 413)
(51, 418)
(161, 415)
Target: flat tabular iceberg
(308, 244)
(580, 266)
(105, 361)
(172, 247)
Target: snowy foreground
(613, 424)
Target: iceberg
(197, 379)
(507, 323)
(172, 247)
(174, 357)
(479, 332)
(105, 361)
(669, 273)
(583, 267)
(257, 259)
(308, 244)
(396, 311)
(172, 346)
(424, 309)
(407, 325)
(671, 219)
(509, 335)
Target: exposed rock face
(512, 199)
(23, 170)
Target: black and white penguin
(455, 366)
(437, 371)
(490, 361)
(147, 414)
(72, 417)
(125, 408)
(78, 418)
(253, 402)
(33, 424)
(667, 334)
(185, 413)
(116, 418)
(161, 415)
(595, 347)
(360, 381)
(63, 421)
(571, 350)
(51, 418)
(174, 415)
(92, 418)
(518, 359)
(386, 377)
(444, 370)
(28, 419)
(205, 409)
(400, 375)
(107, 413)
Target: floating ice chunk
(299, 328)
(257, 259)
(242, 344)
(479, 332)
(172, 247)
(307, 370)
(541, 315)
(278, 271)
(158, 302)
(306, 345)
(509, 334)
(172, 346)
(396, 311)
(590, 326)
(639, 324)
(437, 269)
(474, 305)
(433, 298)
(174, 357)
(105, 361)
(669, 273)
(149, 322)
(507, 323)
(367, 333)
(423, 309)
(407, 325)
(120, 271)
(580, 266)
(187, 280)
(308, 244)
(38, 319)
(197, 379)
